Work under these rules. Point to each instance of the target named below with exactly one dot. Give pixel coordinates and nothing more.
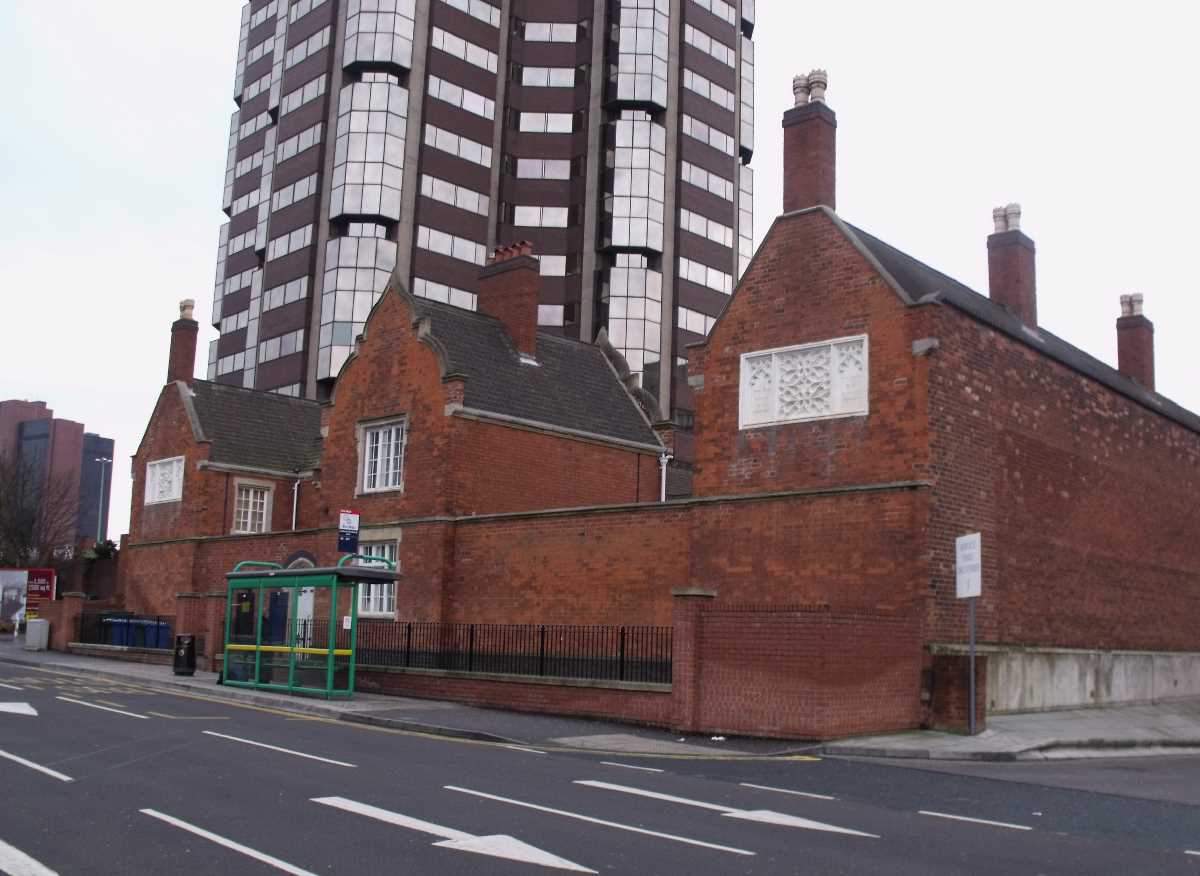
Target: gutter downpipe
(295, 501)
(663, 459)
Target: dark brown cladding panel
(709, 67)
(452, 118)
(306, 71)
(524, 144)
(703, 155)
(299, 166)
(708, 112)
(234, 378)
(259, 68)
(466, 26)
(251, 144)
(705, 203)
(561, 290)
(543, 192)
(254, 106)
(700, 298)
(241, 261)
(235, 302)
(280, 372)
(294, 264)
(243, 222)
(701, 249)
(548, 100)
(452, 220)
(702, 19)
(443, 165)
(461, 73)
(443, 269)
(303, 28)
(283, 319)
(550, 54)
(233, 342)
(304, 117)
(294, 216)
(552, 10)
(545, 240)
(247, 183)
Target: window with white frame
(164, 480)
(805, 382)
(376, 598)
(383, 456)
(252, 508)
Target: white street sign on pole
(968, 565)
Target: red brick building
(856, 411)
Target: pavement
(1168, 728)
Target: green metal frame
(275, 577)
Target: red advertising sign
(40, 588)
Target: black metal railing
(129, 630)
(603, 653)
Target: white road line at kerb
(34, 766)
(277, 748)
(787, 791)
(9, 686)
(524, 749)
(102, 708)
(975, 820)
(600, 821)
(228, 843)
(1190, 852)
(630, 766)
(18, 863)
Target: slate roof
(572, 386)
(258, 429)
(918, 280)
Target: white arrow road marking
(9, 686)
(35, 766)
(227, 843)
(975, 820)
(277, 748)
(102, 708)
(17, 863)
(764, 815)
(18, 709)
(787, 791)
(600, 821)
(498, 846)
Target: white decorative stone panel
(804, 382)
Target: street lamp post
(103, 460)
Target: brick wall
(808, 284)
(807, 671)
(951, 700)
(1086, 501)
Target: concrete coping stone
(694, 591)
(118, 649)
(554, 681)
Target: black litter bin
(185, 655)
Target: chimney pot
(1000, 220)
(800, 89)
(186, 306)
(818, 81)
(1012, 213)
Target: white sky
(1085, 113)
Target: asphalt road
(112, 778)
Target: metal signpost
(347, 531)
(968, 567)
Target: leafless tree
(37, 514)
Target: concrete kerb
(1062, 749)
(295, 705)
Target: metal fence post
(471, 648)
(408, 645)
(621, 662)
(542, 650)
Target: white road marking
(9, 686)
(975, 820)
(227, 843)
(1190, 852)
(277, 748)
(787, 791)
(35, 766)
(764, 815)
(102, 708)
(18, 709)
(630, 766)
(524, 749)
(17, 863)
(497, 846)
(600, 821)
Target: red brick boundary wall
(806, 671)
(951, 693)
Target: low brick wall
(951, 702)
(120, 652)
(635, 703)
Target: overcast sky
(1085, 113)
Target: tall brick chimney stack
(1135, 342)
(1011, 257)
(809, 146)
(182, 362)
(509, 289)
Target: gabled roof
(572, 386)
(255, 429)
(919, 281)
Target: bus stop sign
(348, 531)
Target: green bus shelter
(295, 630)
